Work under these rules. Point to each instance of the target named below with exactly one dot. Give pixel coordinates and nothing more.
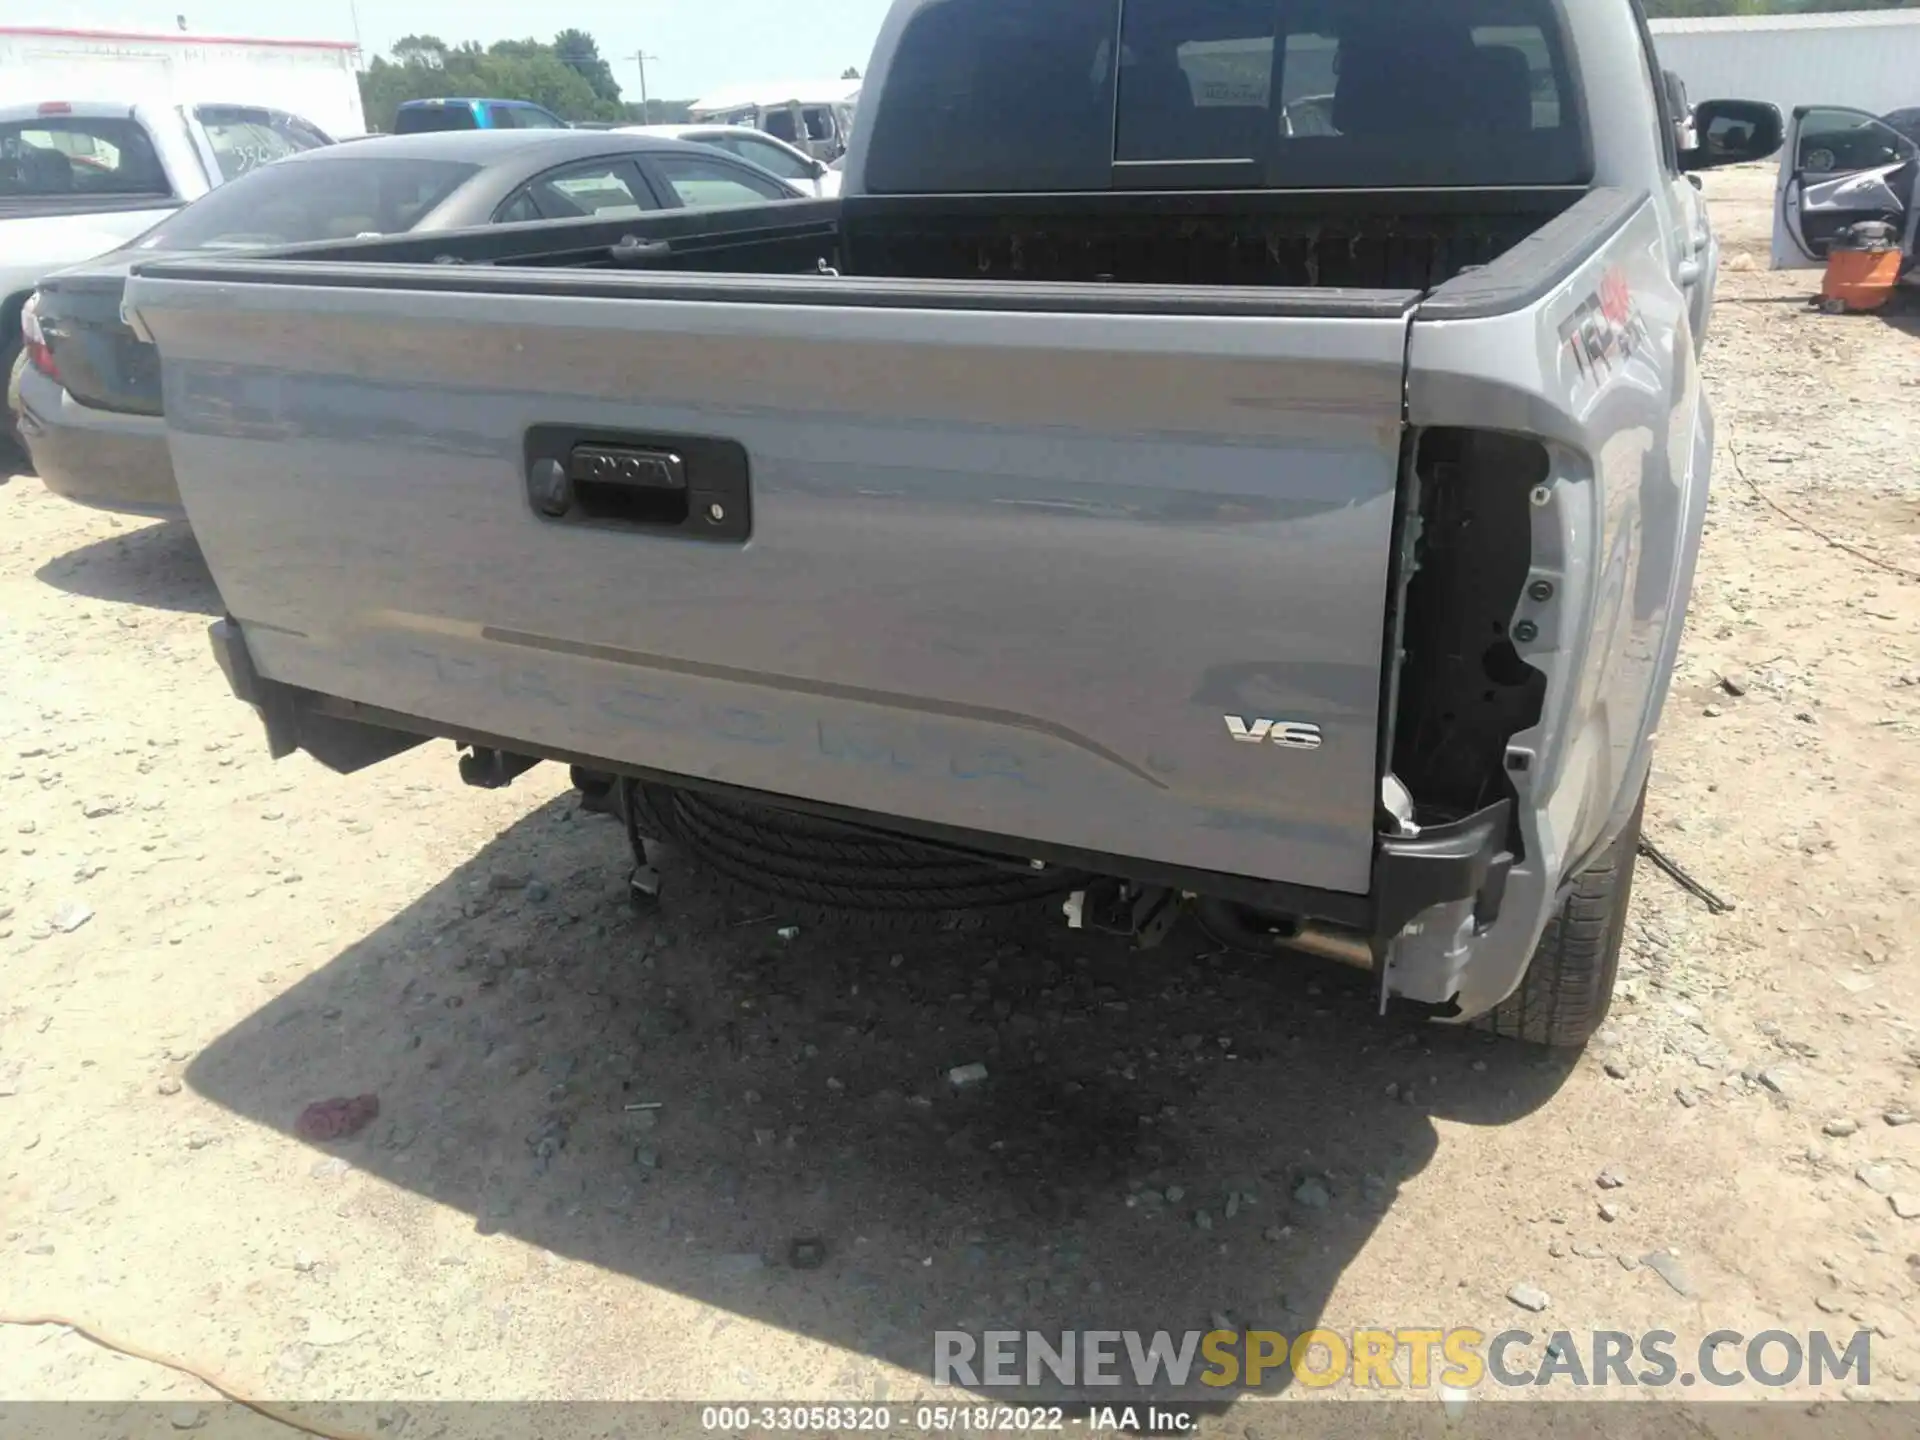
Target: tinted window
(702, 183)
(519, 208)
(1286, 93)
(245, 138)
(330, 199)
(599, 188)
(425, 118)
(70, 155)
(1350, 92)
(990, 96)
(779, 124)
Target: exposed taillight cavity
(1465, 687)
(39, 353)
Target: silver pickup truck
(1114, 503)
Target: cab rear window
(75, 156)
(425, 119)
(1112, 94)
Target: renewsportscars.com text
(1411, 1358)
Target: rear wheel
(1569, 984)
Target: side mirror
(1734, 132)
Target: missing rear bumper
(292, 722)
(1464, 863)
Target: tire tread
(1568, 988)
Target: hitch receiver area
(488, 769)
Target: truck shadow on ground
(158, 566)
(1170, 1140)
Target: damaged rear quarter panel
(1603, 371)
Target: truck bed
(1281, 240)
(991, 516)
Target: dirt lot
(196, 942)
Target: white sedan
(1841, 167)
(757, 148)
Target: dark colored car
(89, 400)
(1850, 140)
(1906, 121)
(421, 117)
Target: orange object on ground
(1860, 279)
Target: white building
(314, 79)
(1863, 59)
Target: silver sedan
(88, 391)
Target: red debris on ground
(337, 1119)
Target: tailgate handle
(689, 487)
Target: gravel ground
(196, 943)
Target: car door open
(1840, 167)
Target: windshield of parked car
(335, 198)
(1087, 95)
(245, 137)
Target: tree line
(570, 77)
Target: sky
(701, 45)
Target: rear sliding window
(1100, 94)
(426, 119)
(71, 155)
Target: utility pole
(646, 108)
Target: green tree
(579, 52)
(425, 66)
(660, 112)
(426, 50)
(519, 49)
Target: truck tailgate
(1070, 572)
